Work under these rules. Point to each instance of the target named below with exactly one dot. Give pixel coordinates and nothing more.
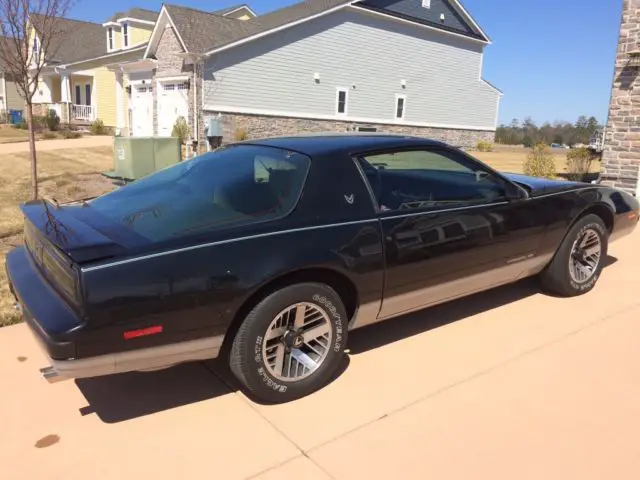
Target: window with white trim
(401, 106)
(110, 38)
(342, 100)
(426, 3)
(125, 35)
(36, 49)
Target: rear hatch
(59, 242)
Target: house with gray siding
(401, 66)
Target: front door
(448, 226)
(142, 110)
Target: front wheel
(291, 343)
(579, 261)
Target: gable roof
(206, 33)
(228, 10)
(198, 29)
(75, 40)
(137, 13)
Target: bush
(528, 142)
(484, 147)
(68, 134)
(540, 162)
(579, 162)
(181, 130)
(52, 120)
(241, 135)
(49, 136)
(22, 125)
(98, 128)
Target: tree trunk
(32, 152)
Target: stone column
(621, 157)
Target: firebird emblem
(350, 199)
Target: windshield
(236, 185)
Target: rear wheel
(291, 343)
(579, 261)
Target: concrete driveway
(510, 384)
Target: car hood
(543, 186)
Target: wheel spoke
(592, 251)
(315, 332)
(275, 333)
(277, 367)
(300, 314)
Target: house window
(125, 35)
(341, 101)
(110, 38)
(87, 94)
(36, 49)
(401, 105)
(78, 99)
(426, 3)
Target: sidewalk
(510, 384)
(47, 145)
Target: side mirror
(515, 193)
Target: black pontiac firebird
(278, 248)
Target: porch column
(65, 96)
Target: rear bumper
(48, 316)
(55, 326)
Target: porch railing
(82, 112)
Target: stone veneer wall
(258, 126)
(621, 157)
(170, 63)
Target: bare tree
(32, 32)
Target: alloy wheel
(297, 342)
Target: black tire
(556, 278)
(246, 360)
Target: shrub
(49, 136)
(528, 142)
(181, 130)
(241, 134)
(22, 125)
(579, 162)
(540, 162)
(484, 147)
(98, 128)
(52, 120)
(68, 134)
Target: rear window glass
(232, 186)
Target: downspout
(195, 106)
(4, 89)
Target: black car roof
(321, 144)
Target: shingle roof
(224, 11)
(137, 13)
(74, 40)
(199, 30)
(202, 31)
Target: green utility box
(137, 157)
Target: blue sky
(552, 58)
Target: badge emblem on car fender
(350, 199)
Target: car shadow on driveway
(119, 398)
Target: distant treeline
(527, 133)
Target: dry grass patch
(511, 159)
(12, 135)
(64, 175)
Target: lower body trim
(148, 359)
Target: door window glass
(409, 180)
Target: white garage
(141, 110)
(173, 102)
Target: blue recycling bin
(15, 116)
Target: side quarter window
(416, 179)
